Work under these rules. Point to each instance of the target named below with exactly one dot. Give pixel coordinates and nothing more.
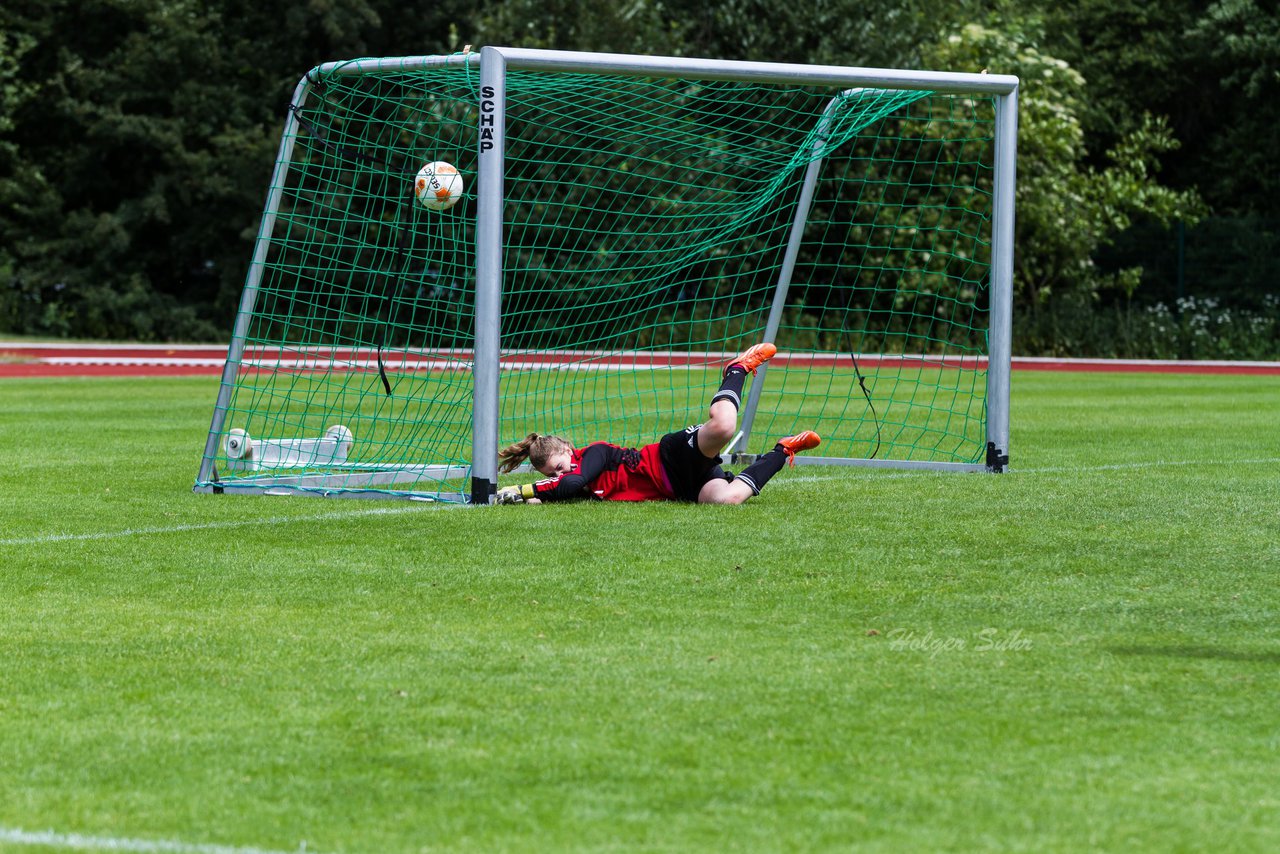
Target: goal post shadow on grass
(632, 222)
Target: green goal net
(651, 227)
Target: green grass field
(1081, 654)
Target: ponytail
(534, 448)
(510, 457)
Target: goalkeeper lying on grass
(683, 466)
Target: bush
(133, 312)
(1203, 329)
(1189, 329)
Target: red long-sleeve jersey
(610, 473)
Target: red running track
(20, 359)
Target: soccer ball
(438, 186)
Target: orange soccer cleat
(802, 441)
(754, 357)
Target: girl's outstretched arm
(567, 487)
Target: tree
(141, 135)
(1238, 166)
(1066, 207)
(1212, 67)
(641, 26)
(841, 32)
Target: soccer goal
(622, 225)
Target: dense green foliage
(139, 136)
(1078, 655)
(136, 136)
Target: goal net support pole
(249, 297)
(794, 239)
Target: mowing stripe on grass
(79, 842)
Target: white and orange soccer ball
(438, 185)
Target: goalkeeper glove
(514, 494)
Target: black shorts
(686, 467)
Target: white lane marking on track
(81, 842)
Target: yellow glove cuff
(526, 491)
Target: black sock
(731, 386)
(766, 466)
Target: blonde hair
(534, 448)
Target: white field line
(1147, 465)
(1152, 464)
(43, 539)
(80, 842)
